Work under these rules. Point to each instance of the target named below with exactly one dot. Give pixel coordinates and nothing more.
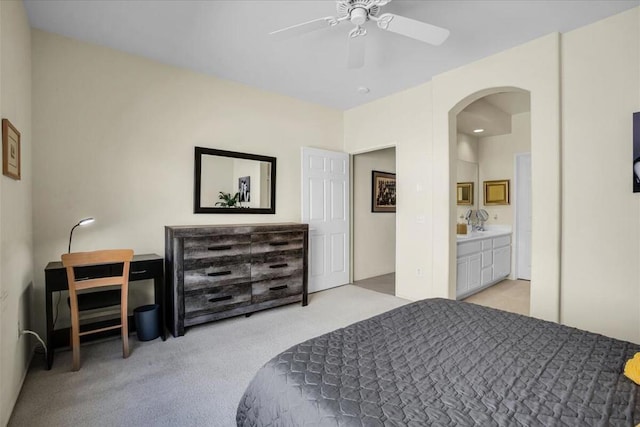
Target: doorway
(373, 232)
(493, 146)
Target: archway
(492, 135)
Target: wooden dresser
(218, 271)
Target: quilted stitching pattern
(446, 363)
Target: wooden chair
(80, 259)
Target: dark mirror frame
(197, 208)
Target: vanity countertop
(478, 235)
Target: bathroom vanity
(484, 259)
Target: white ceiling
(229, 39)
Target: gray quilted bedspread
(446, 363)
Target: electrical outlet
(418, 272)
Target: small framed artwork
(496, 192)
(244, 189)
(383, 191)
(10, 150)
(465, 193)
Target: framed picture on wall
(496, 192)
(10, 150)
(244, 188)
(383, 191)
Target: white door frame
(516, 224)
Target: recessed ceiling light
(363, 89)
(478, 130)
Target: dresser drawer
(266, 290)
(212, 300)
(217, 275)
(282, 265)
(212, 247)
(262, 243)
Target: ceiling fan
(360, 11)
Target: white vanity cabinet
(482, 261)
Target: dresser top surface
(237, 228)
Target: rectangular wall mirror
(230, 182)
(467, 173)
(465, 193)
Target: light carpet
(194, 380)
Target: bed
(446, 363)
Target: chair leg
(75, 340)
(125, 334)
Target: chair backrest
(109, 256)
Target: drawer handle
(277, 288)
(219, 248)
(278, 243)
(219, 273)
(218, 299)
(139, 272)
(279, 265)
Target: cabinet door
(475, 265)
(501, 262)
(487, 275)
(487, 258)
(462, 278)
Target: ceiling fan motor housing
(358, 11)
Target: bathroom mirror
(465, 193)
(228, 182)
(467, 179)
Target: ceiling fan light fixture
(358, 16)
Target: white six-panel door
(325, 207)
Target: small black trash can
(147, 319)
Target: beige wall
(403, 120)
(532, 67)
(109, 126)
(467, 148)
(467, 171)
(496, 161)
(374, 233)
(115, 137)
(601, 227)
(600, 79)
(16, 250)
(417, 121)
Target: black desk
(143, 267)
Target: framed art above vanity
(496, 192)
(229, 182)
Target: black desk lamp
(84, 221)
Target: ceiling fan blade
(411, 28)
(305, 27)
(355, 58)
